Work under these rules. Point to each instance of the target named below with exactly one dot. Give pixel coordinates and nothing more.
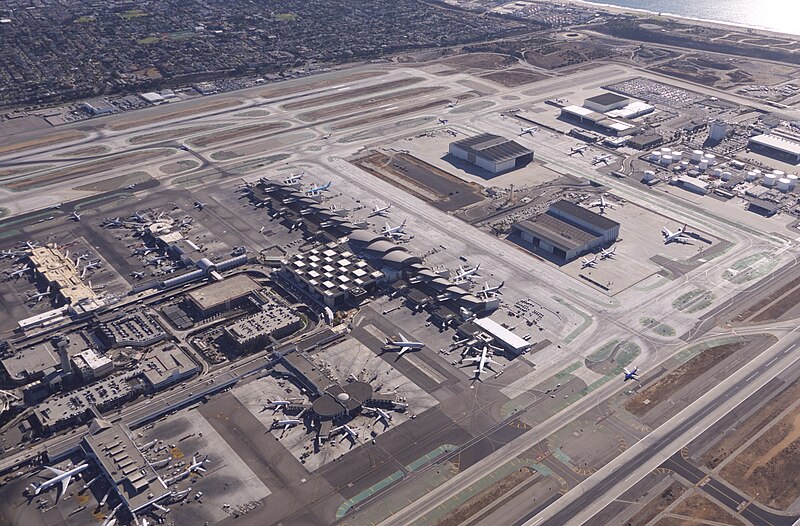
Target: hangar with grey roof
(493, 153)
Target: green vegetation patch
(132, 13)
(85, 19)
(610, 359)
(285, 17)
(662, 329)
(694, 300)
(750, 268)
(148, 40)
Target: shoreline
(717, 24)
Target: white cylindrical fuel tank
(710, 157)
(702, 165)
(769, 180)
(649, 175)
(751, 175)
(784, 184)
(778, 173)
(697, 155)
(677, 154)
(666, 160)
(685, 164)
(655, 156)
(726, 176)
(716, 172)
(757, 172)
(666, 150)
(792, 180)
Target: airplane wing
(666, 232)
(65, 484)
(55, 471)
(626, 370)
(595, 203)
(402, 351)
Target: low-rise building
(222, 295)
(273, 321)
(90, 365)
(491, 152)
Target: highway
(592, 495)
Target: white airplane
(327, 136)
(464, 273)
(149, 445)
(197, 465)
(137, 275)
(591, 263)
(139, 217)
(679, 236)
(597, 159)
(383, 415)
(143, 250)
(11, 254)
(452, 104)
(402, 344)
(577, 149)
(130, 186)
(294, 179)
(443, 121)
(483, 361)
(295, 225)
(186, 221)
(31, 244)
(380, 211)
(76, 216)
(608, 254)
(112, 221)
(630, 375)
(17, 273)
(488, 291)
(62, 477)
(287, 423)
(531, 130)
(39, 295)
(346, 431)
(276, 404)
(156, 261)
(314, 190)
(394, 231)
(199, 205)
(602, 204)
(158, 464)
(90, 266)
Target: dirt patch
(647, 398)
(281, 89)
(171, 135)
(351, 94)
(766, 468)
(360, 105)
(688, 72)
(699, 507)
(443, 190)
(115, 183)
(514, 77)
(44, 140)
(91, 150)
(555, 56)
(125, 124)
(178, 167)
(480, 61)
(486, 498)
(657, 505)
(754, 423)
(772, 307)
(236, 133)
(122, 161)
(253, 113)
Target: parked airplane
(143, 251)
(577, 149)
(294, 179)
(199, 205)
(327, 136)
(112, 222)
(488, 291)
(314, 190)
(136, 216)
(531, 130)
(39, 295)
(155, 261)
(130, 186)
(608, 254)
(295, 225)
(276, 404)
(17, 273)
(62, 477)
(452, 104)
(346, 431)
(287, 423)
(90, 266)
(193, 467)
(679, 236)
(31, 244)
(442, 121)
(602, 204)
(630, 375)
(394, 231)
(380, 211)
(591, 263)
(11, 254)
(383, 415)
(401, 344)
(465, 273)
(137, 275)
(597, 159)
(76, 216)
(483, 361)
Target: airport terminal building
(566, 230)
(491, 152)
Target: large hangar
(567, 230)
(491, 152)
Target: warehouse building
(273, 321)
(606, 102)
(778, 146)
(491, 152)
(222, 296)
(567, 230)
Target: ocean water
(774, 15)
